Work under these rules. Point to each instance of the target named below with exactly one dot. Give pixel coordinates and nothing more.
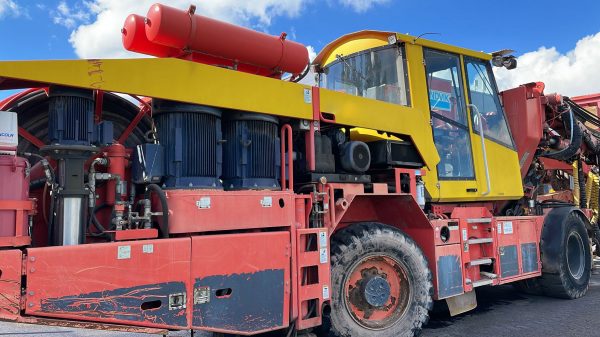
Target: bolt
(31, 293)
(32, 259)
(30, 305)
(32, 270)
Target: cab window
(483, 94)
(449, 115)
(378, 73)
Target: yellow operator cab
(448, 96)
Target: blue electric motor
(191, 137)
(252, 152)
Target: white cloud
(10, 8)
(70, 17)
(362, 5)
(576, 72)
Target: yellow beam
(171, 79)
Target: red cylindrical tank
(134, 39)
(14, 184)
(179, 29)
(117, 161)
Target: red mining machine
(229, 198)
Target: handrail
(483, 149)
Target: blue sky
(541, 32)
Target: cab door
(496, 160)
(454, 178)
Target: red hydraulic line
(143, 111)
(98, 110)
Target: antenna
(418, 37)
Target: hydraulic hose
(575, 139)
(164, 228)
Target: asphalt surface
(501, 312)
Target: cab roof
(367, 39)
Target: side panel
(194, 211)
(11, 262)
(518, 247)
(241, 282)
(136, 283)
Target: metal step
(488, 275)
(480, 241)
(482, 282)
(479, 220)
(479, 262)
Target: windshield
(377, 74)
(484, 95)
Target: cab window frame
(499, 105)
(406, 77)
(465, 127)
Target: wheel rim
(575, 255)
(377, 292)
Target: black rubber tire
(352, 244)
(557, 280)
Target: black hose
(96, 223)
(575, 140)
(303, 75)
(164, 228)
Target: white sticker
(124, 252)
(464, 235)
(499, 227)
(267, 202)
(323, 255)
(322, 239)
(508, 227)
(307, 96)
(325, 292)
(148, 249)
(203, 203)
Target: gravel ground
(502, 312)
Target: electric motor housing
(191, 137)
(71, 116)
(355, 157)
(252, 152)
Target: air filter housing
(191, 137)
(71, 116)
(252, 152)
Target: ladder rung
(479, 262)
(482, 282)
(479, 220)
(480, 241)
(488, 275)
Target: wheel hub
(376, 291)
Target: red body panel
(10, 284)
(241, 282)
(111, 282)
(526, 118)
(194, 211)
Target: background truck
(231, 199)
